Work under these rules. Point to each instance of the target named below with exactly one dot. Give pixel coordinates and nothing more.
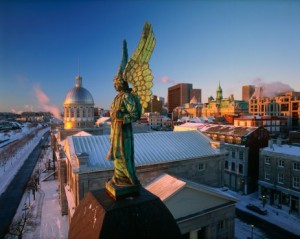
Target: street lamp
(252, 227)
(28, 192)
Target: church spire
(219, 92)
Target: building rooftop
(217, 129)
(283, 149)
(182, 197)
(150, 148)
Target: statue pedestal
(119, 192)
(98, 216)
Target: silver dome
(79, 95)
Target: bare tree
(22, 223)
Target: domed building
(78, 107)
(79, 122)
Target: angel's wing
(137, 71)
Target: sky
(44, 45)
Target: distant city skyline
(46, 44)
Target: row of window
(240, 154)
(232, 167)
(280, 179)
(86, 112)
(280, 163)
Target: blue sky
(198, 42)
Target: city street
(11, 197)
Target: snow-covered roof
(150, 148)
(283, 149)
(82, 133)
(182, 197)
(167, 185)
(219, 129)
(102, 120)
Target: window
(296, 182)
(267, 175)
(233, 166)
(220, 225)
(280, 178)
(267, 160)
(201, 167)
(241, 168)
(241, 155)
(233, 154)
(281, 163)
(296, 166)
(72, 112)
(226, 164)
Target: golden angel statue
(127, 108)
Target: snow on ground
(50, 224)
(44, 218)
(244, 230)
(279, 217)
(10, 169)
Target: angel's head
(120, 84)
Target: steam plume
(271, 89)
(44, 102)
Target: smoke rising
(270, 89)
(43, 101)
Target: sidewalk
(44, 219)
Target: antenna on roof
(78, 66)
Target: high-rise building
(247, 92)
(180, 94)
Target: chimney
(270, 143)
(279, 142)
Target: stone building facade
(223, 106)
(192, 110)
(241, 146)
(213, 218)
(279, 176)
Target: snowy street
(43, 218)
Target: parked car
(257, 209)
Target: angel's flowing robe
(125, 109)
